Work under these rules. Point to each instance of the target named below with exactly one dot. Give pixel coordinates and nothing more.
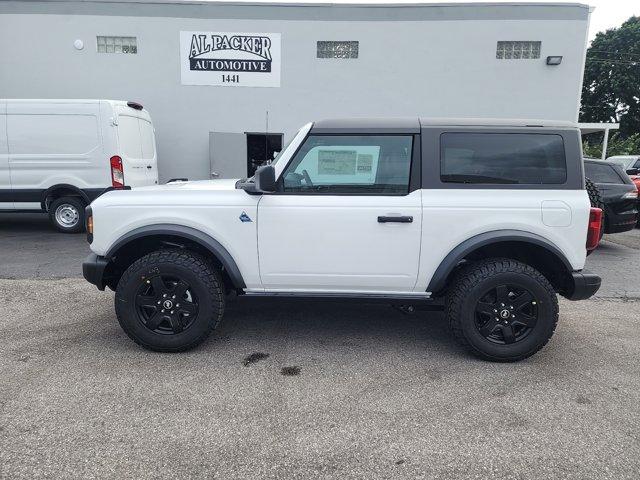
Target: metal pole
(266, 148)
(605, 143)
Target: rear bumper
(583, 285)
(93, 270)
(623, 218)
(623, 223)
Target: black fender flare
(438, 281)
(189, 233)
(62, 186)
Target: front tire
(170, 300)
(502, 310)
(67, 214)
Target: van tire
(484, 283)
(67, 214)
(154, 278)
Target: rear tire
(170, 300)
(502, 310)
(67, 214)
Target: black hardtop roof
(413, 124)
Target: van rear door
(148, 141)
(136, 145)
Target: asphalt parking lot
(292, 390)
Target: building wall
(428, 61)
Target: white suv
(486, 219)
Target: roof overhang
(587, 128)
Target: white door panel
(47, 147)
(335, 243)
(6, 202)
(148, 140)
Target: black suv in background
(619, 194)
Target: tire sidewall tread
(200, 274)
(462, 297)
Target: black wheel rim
(506, 314)
(166, 304)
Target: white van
(58, 155)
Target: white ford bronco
(486, 219)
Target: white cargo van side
(58, 155)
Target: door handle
(215, 174)
(398, 219)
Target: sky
(611, 13)
(607, 13)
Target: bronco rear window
(502, 158)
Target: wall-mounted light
(554, 60)
(79, 44)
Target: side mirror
(265, 179)
(633, 171)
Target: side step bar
(422, 301)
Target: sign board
(230, 59)
(337, 162)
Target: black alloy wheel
(170, 300)
(166, 305)
(506, 314)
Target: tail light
(593, 231)
(88, 214)
(117, 174)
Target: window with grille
(518, 50)
(117, 45)
(333, 49)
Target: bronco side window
(502, 158)
(351, 164)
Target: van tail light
(593, 231)
(117, 174)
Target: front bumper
(583, 285)
(93, 270)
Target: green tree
(617, 145)
(611, 89)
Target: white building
(216, 77)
